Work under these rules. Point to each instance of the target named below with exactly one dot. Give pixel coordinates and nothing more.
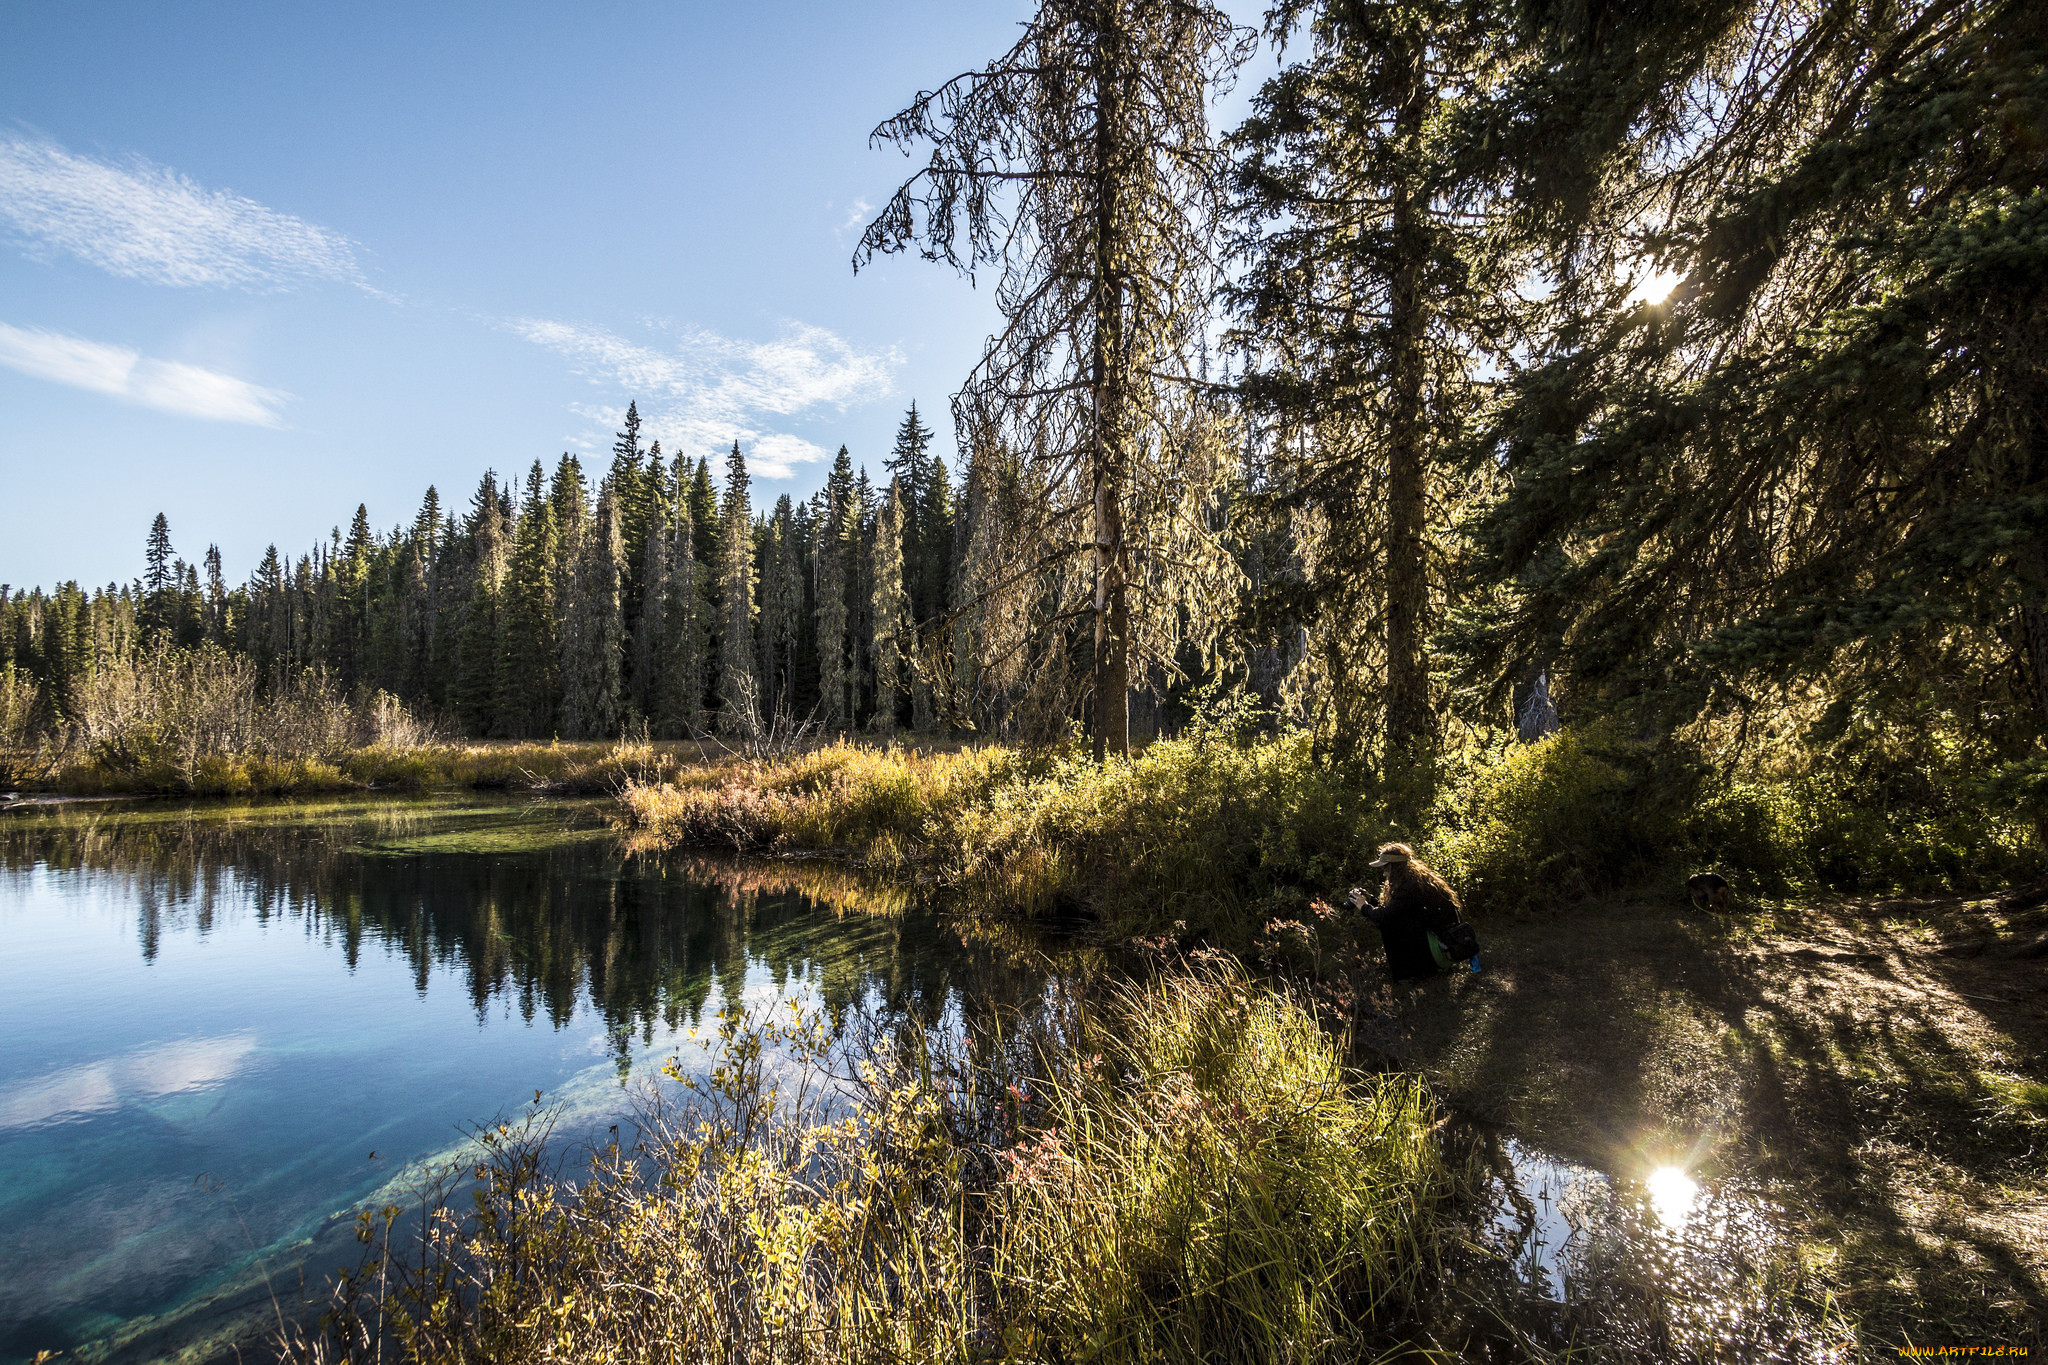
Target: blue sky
(261, 263)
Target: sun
(1655, 287)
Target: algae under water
(225, 1027)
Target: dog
(1709, 891)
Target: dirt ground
(1878, 1070)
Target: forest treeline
(654, 595)
(1363, 406)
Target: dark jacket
(1409, 914)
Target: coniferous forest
(1359, 406)
(653, 595)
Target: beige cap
(1393, 853)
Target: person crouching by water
(1413, 903)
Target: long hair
(1420, 871)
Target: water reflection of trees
(533, 912)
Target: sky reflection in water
(210, 1019)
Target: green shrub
(1542, 825)
(1585, 812)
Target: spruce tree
(158, 582)
(650, 624)
(1081, 161)
(1821, 462)
(932, 569)
(593, 627)
(529, 676)
(928, 581)
(704, 515)
(735, 594)
(829, 568)
(888, 611)
(630, 483)
(908, 468)
(269, 634)
(349, 625)
(1372, 300)
(216, 598)
(415, 627)
(677, 647)
(475, 690)
(860, 625)
(782, 605)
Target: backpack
(1456, 944)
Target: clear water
(222, 1029)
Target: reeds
(1186, 1174)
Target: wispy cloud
(132, 377)
(710, 390)
(147, 222)
(856, 216)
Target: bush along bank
(1214, 838)
(1187, 1174)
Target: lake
(224, 1028)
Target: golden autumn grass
(1188, 1174)
(1201, 831)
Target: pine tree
(735, 594)
(529, 676)
(888, 611)
(593, 627)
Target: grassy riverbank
(587, 769)
(1189, 1173)
(1876, 1068)
(1210, 839)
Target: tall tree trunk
(1410, 721)
(1110, 378)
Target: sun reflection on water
(1673, 1196)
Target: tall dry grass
(202, 722)
(1188, 1174)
